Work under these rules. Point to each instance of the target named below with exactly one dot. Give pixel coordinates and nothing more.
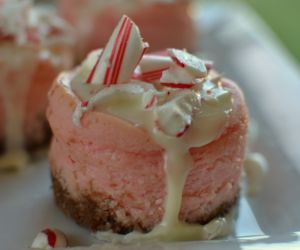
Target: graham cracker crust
(100, 216)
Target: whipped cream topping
(182, 107)
(27, 35)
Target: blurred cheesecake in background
(165, 23)
(35, 45)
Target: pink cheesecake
(145, 140)
(164, 23)
(34, 47)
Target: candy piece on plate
(48, 239)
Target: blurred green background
(283, 17)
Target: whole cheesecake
(146, 142)
(35, 46)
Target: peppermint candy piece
(178, 85)
(48, 239)
(153, 101)
(120, 57)
(178, 78)
(174, 118)
(191, 63)
(152, 66)
(82, 90)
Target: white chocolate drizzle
(177, 117)
(216, 228)
(255, 168)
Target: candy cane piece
(48, 239)
(174, 118)
(152, 67)
(121, 55)
(178, 78)
(182, 132)
(191, 63)
(152, 102)
(177, 85)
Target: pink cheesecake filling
(114, 158)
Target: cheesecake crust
(100, 216)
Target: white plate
(244, 51)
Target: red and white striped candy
(153, 101)
(48, 239)
(152, 67)
(191, 63)
(174, 117)
(178, 85)
(177, 78)
(86, 91)
(120, 57)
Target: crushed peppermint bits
(173, 78)
(48, 239)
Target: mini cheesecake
(164, 23)
(35, 46)
(146, 142)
